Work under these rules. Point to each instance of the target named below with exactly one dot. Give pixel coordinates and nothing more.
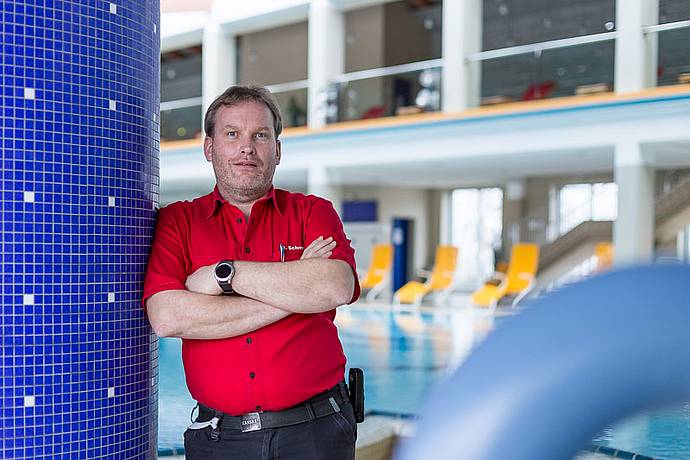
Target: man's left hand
(203, 281)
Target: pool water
(403, 354)
(663, 434)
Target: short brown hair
(236, 94)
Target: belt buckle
(250, 422)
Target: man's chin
(249, 189)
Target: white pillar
(326, 55)
(462, 37)
(514, 225)
(445, 218)
(636, 54)
(320, 183)
(218, 60)
(633, 231)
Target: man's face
(243, 150)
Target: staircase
(570, 250)
(675, 201)
(584, 232)
(672, 214)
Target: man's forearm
(191, 315)
(302, 286)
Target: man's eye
(261, 135)
(232, 134)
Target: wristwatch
(224, 272)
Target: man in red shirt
(249, 277)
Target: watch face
(223, 271)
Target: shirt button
(239, 220)
(247, 250)
(252, 375)
(249, 340)
(258, 407)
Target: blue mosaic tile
(79, 186)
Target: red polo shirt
(279, 365)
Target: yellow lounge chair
(604, 254)
(440, 279)
(378, 274)
(518, 280)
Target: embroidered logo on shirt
(295, 248)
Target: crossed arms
(268, 292)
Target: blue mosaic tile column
(79, 154)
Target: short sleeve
(324, 221)
(166, 269)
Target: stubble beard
(242, 189)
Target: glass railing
(181, 119)
(567, 67)
(673, 64)
(293, 101)
(388, 91)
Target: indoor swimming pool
(403, 354)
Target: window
(510, 23)
(673, 11)
(582, 202)
(477, 225)
(277, 58)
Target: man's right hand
(319, 248)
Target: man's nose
(247, 148)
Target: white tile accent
(155, 118)
(113, 8)
(29, 401)
(111, 201)
(155, 28)
(112, 105)
(111, 392)
(111, 297)
(29, 197)
(153, 381)
(29, 299)
(29, 93)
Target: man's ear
(208, 148)
(278, 151)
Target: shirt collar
(217, 200)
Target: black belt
(326, 403)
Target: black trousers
(326, 438)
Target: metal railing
(181, 103)
(664, 27)
(537, 48)
(289, 86)
(388, 71)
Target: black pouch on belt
(356, 387)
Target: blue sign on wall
(360, 211)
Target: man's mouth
(246, 164)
